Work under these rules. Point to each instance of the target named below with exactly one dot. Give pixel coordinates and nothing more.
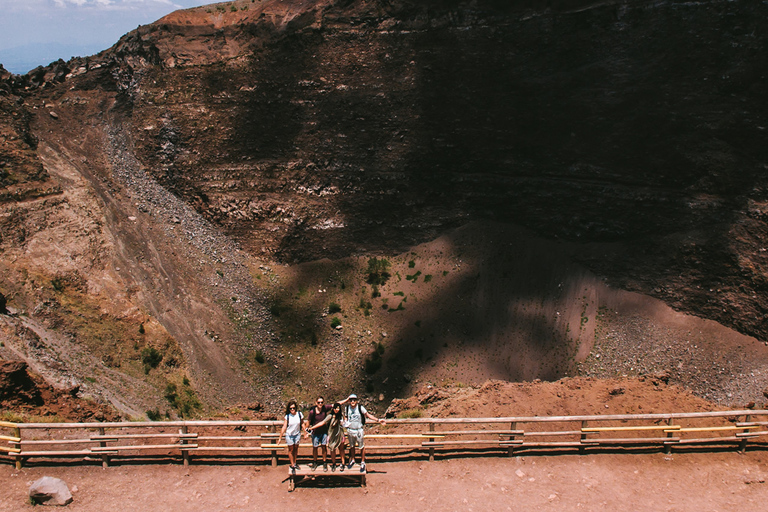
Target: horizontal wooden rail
(187, 439)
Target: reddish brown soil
(618, 480)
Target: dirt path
(678, 482)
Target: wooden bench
(304, 473)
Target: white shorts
(356, 437)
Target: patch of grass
(378, 271)
(335, 322)
(154, 415)
(427, 278)
(411, 264)
(184, 400)
(399, 307)
(401, 294)
(150, 358)
(413, 277)
(411, 413)
(334, 307)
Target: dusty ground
(680, 482)
(612, 480)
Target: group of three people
(327, 424)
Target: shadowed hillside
(209, 186)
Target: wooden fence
(259, 440)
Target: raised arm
(316, 425)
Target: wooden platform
(305, 474)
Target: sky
(38, 32)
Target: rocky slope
(193, 177)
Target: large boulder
(50, 491)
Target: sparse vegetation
(413, 277)
(184, 400)
(411, 413)
(334, 307)
(335, 322)
(154, 415)
(378, 271)
(150, 358)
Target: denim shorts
(319, 439)
(291, 440)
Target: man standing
(356, 415)
(319, 435)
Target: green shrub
(411, 264)
(334, 307)
(427, 278)
(153, 415)
(335, 322)
(150, 358)
(413, 277)
(378, 271)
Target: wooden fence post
(668, 446)
(102, 444)
(583, 437)
(184, 453)
(19, 458)
(511, 448)
(743, 443)
(273, 429)
(431, 440)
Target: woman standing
(292, 432)
(335, 434)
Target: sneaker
(333, 468)
(341, 468)
(325, 467)
(362, 467)
(293, 470)
(351, 464)
(313, 466)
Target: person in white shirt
(292, 426)
(356, 415)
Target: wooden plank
(557, 433)
(141, 436)
(9, 449)
(472, 432)
(232, 438)
(399, 436)
(99, 449)
(665, 428)
(499, 442)
(11, 439)
(629, 440)
(8, 424)
(62, 453)
(225, 448)
(57, 441)
(709, 429)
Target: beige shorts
(356, 438)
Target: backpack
(362, 416)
